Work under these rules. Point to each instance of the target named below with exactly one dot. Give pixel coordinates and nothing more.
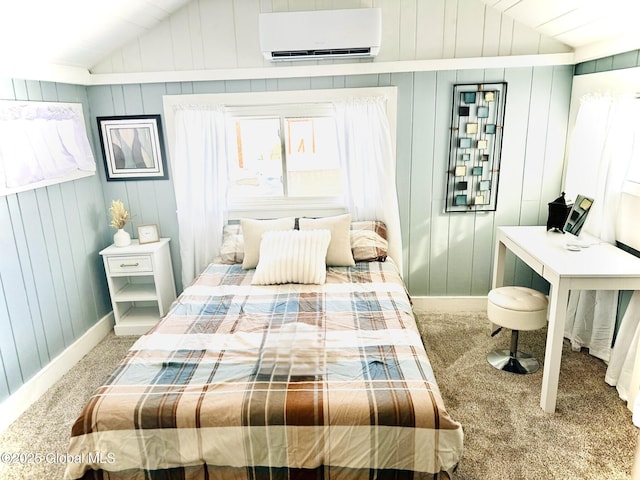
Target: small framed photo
(148, 233)
(132, 147)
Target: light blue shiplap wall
(52, 284)
(148, 201)
(445, 254)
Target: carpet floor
(507, 435)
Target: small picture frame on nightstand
(148, 233)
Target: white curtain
(40, 142)
(623, 356)
(368, 159)
(200, 182)
(606, 138)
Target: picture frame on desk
(132, 147)
(148, 233)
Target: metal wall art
(477, 120)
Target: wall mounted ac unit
(319, 34)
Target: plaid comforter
(289, 381)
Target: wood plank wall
(209, 34)
(444, 253)
(52, 284)
(52, 279)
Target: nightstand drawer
(127, 265)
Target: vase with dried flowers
(119, 218)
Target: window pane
(313, 167)
(257, 169)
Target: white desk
(600, 267)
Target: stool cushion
(518, 298)
(517, 308)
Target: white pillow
(232, 248)
(339, 253)
(292, 256)
(252, 231)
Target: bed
(250, 379)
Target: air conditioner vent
(333, 52)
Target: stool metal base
(521, 363)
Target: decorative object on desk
(148, 233)
(477, 121)
(558, 213)
(119, 218)
(578, 215)
(132, 147)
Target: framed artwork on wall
(477, 120)
(132, 147)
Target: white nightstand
(141, 284)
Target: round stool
(516, 308)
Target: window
(42, 143)
(279, 154)
(273, 170)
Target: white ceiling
(75, 33)
(577, 23)
(80, 33)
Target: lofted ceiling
(80, 33)
(75, 33)
(577, 23)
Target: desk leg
(559, 296)
(498, 272)
(498, 264)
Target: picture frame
(133, 147)
(148, 233)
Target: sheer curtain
(200, 182)
(369, 162)
(623, 356)
(40, 141)
(606, 138)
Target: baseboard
(449, 304)
(35, 387)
